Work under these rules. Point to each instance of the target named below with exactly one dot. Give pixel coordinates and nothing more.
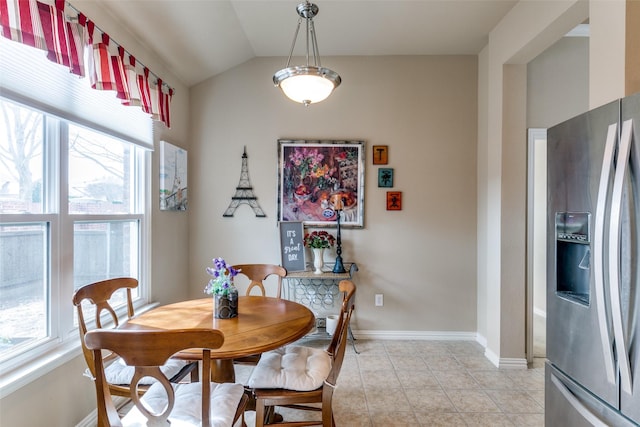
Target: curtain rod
(76, 10)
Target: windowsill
(32, 369)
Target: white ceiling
(198, 39)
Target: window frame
(61, 344)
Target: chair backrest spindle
(99, 294)
(147, 351)
(258, 273)
(338, 344)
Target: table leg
(222, 371)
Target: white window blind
(27, 76)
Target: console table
(319, 292)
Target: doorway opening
(536, 243)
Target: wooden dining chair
(258, 273)
(99, 295)
(202, 403)
(297, 377)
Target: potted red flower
(318, 241)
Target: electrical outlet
(379, 300)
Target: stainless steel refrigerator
(593, 276)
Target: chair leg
(260, 413)
(327, 407)
(327, 417)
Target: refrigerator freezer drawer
(567, 404)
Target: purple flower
(223, 274)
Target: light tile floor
(428, 383)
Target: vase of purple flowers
(225, 294)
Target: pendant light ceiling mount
(307, 10)
(310, 83)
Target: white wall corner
(482, 340)
(493, 358)
(505, 362)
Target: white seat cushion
(119, 373)
(291, 367)
(188, 407)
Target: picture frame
(380, 154)
(173, 178)
(394, 200)
(385, 177)
(314, 175)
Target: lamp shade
(306, 84)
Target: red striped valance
(71, 44)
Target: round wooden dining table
(262, 324)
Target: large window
(72, 212)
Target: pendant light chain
(308, 83)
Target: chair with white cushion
(256, 275)
(204, 403)
(296, 376)
(118, 375)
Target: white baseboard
(505, 362)
(415, 335)
(91, 420)
(482, 340)
(540, 312)
(493, 358)
(512, 363)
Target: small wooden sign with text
(292, 245)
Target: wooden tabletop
(263, 324)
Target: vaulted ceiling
(198, 39)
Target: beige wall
(513, 214)
(632, 48)
(607, 48)
(558, 83)
(425, 109)
(482, 190)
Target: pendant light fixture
(310, 83)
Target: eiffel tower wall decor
(244, 192)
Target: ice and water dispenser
(573, 256)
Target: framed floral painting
(315, 177)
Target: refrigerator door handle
(575, 403)
(599, 253)
(615, 231)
